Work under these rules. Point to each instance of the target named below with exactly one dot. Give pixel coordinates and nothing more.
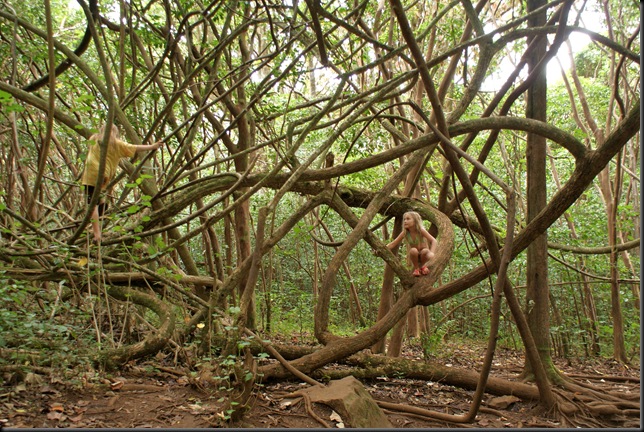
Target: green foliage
(9, 104)
(431, 343)
(292, 309)
(590, 63)
(25, 328)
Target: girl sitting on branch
(421, 245)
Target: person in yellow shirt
(116, 149)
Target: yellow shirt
(120, 150)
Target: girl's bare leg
(96, 227)
(425, 256)
(414, 257)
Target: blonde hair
(418, 221)
(114, 135)
(418, 225)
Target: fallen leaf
(80, 410)
(55, 415)
(56, 406)
(503, 402)
(49, 390)
(33, 379)
(76, 419)
(116, 385)
(287, 403)
(196, 408)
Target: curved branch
(585, 172)
(153, 342)
(314, 6)
(210, 184)
(65, 64)
(343, 347)
(600, 250)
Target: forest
(244, 272)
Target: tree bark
(537, 293)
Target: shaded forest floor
(151, 395)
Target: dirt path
(148, 397)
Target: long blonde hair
(114, 135)
(418, 225)
(418, 221)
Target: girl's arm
(430, 239)
(395, 242)
(143, 147)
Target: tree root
(577, 405)
(597, 413)
(154, 342)
(283, 361)
(600, 403)
(614, 378)
(240, 400)
(442, 423)
(418, 411)
(308, 405)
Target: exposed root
(309, 406)
(593, 414)
(154, 342)
(283, 361)
(582, 404)
(421, 412)
(309, 409)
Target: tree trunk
(387, 291)
(537, 293)
(619, 349)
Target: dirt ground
(146, 396)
